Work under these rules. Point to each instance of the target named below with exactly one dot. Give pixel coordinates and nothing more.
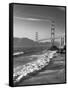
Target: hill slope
(25, 42)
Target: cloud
(33, 19)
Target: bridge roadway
(59, 37)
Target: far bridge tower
(36, 36)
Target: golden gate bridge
(52, 37)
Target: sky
(28, 19)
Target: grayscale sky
(30, 19)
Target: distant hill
(25, 42)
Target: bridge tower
(62, 42)
(52, 32)
(36, 36)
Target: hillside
(27, 43)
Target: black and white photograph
(39, 44)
